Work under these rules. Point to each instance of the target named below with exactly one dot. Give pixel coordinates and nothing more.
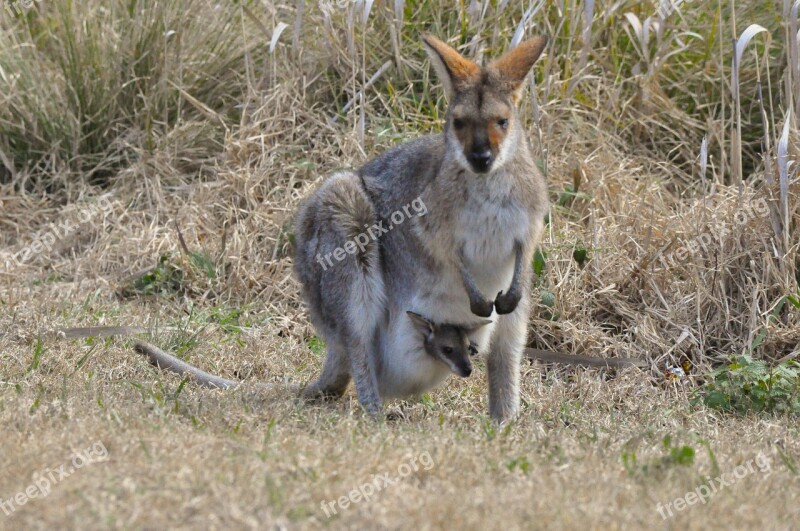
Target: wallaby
(448, 343)
(485, 203)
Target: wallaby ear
(453, 69)
(514, 65)
(480, 324)
(424, 326)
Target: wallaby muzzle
(464, 369)
(480, 155)
(480, 161)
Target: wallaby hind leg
(338, 265)
(335, 376)
(366, 308)
(503, 361)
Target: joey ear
(454, 70)
(424, 326)
(480, 324)
(514, 65)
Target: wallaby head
(482, 121)
(448, 343)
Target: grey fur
(483, 222)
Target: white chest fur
(488, 225)
(486, 229)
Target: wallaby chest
(488, 223)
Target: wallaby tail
(164, 360)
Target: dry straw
(619, 146)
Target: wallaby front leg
(478, 304)
(507, 302)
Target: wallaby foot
(318, 390)
(334, 379)
(366, 383)
(395, 414)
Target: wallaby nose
(466, 370)
(481, 159)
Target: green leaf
(683, 455)
(204, 263)
(749, 385)
(778, 309)
(548, 298)
(539, 262)
(38, 351)
(579, 254)
(758, 339)
(316, 345)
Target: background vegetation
(662, 128)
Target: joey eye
(502, 123)
(447, 350)
(458, 123)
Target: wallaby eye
(458, 123)
(502, 123)
(447, 350)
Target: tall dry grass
(221, 116)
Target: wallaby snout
(480, 155)
(481, 160)
(464, 368)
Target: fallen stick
(101, 331)
(548, 356)
(163, 360)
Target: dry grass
(197, 458)
(225, 161)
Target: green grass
(748, 385)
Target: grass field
(152, 156)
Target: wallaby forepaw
(473, 348)
(481, 308)
(507, 302)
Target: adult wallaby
(485, 203)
